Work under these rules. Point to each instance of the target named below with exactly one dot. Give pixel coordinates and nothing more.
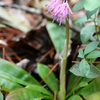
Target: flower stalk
(62, 91)
(61, 12)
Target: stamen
(61, 10)
(46, 5)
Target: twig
(50, 71)
(96, 62)
(75, 62)
(75, 54)
(8, 57)
(74, 83)
(42, 58)
(25, 8)
(17, 38)
(17, 57)
(3, 52)
(55, 94)
(9, 38)
(33, 10)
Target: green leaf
(1, 25)
(39, 89)
(26, 94)
(94, 73)
(6, 90)
(90, 13)
(91, 4)
(75, 70)
(94, 16)
(90, 47)
(9, 83)
(94, 54)
(84, 67)
(81, 55)
(86, 33)
(50, 80)
(78, 83)
(78, 6)
(1, 96)
(38, 99)
(71, 80)
(75, 97)
(3, 85)
(98, 66)
(97, 37)
(91, 91)
(79, 25)
(57, 35)
(81, 20)
(98, 21)
(15, 74)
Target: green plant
(85, 68)
(85, 82)
(14, 77)
(32, 90)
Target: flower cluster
(61, 10)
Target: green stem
(67, 33)
(62, 91)
(92, 65)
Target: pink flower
(61, 10)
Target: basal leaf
(71, 80)
(90, 47)
(78, 6)
(86, 33)
(1, 96)
(84, 67)
(57, 35)
(3, 85)
(9, 83)
(75, 97)
(39, 89)
(26, 94)
(50, 80)
(91, 91)
(79, 83)
(15, 74)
